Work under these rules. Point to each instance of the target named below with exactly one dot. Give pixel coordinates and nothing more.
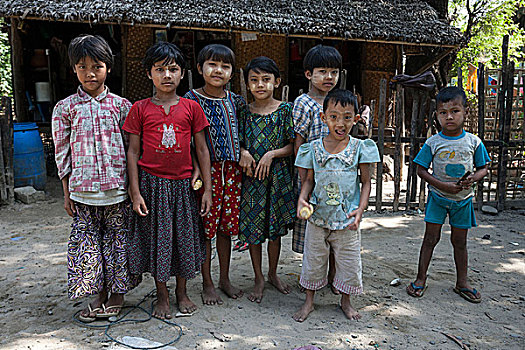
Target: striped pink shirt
(89, 141)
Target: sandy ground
(35, 312)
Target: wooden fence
(498, 120)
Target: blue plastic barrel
(28, 159)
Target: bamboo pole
(380, 143)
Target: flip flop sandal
(416, 289)
(105, 313)
(243, 247)
(89, 319)
(463, 293)
(237, 245)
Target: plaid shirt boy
(89, 142)
(307, 119)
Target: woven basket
(138, 85)
(272, 46)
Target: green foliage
(6, 88)
(489, 21)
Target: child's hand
(139, 206)
(195, 175)
(357, 215)
(69, 206)
(303, 204)
(451, 187)
(205, 203)
(247, 163)
(263, 168)
(467, 183)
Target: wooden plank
(380, 143)
(413, 124)
(399, 113)
(481, 125)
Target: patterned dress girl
(267, 206)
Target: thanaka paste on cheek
(208, 71)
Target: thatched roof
(393, 20)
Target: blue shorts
(460, 214)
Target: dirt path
(35, 312)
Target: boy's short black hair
(163, 51)
(93, 46)
(322, 56)
(450, 93)
(216, 52)
(342, 97)
(262, 64)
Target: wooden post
(424, 132)
(17, 64)
(460, 78)
(285, 92)
(481, 125)
(417, 133)
(399, 114)
(413, 124)
(380, 143)
(371, 119)
(502, 156)
(6, 152)
(244, 93)
(123, 54)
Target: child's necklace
(210, 95)
(155, 98)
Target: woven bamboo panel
(272, 46)
(370, 81)
(138, 85)
(379, 56)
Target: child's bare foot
(210, 296)
(277, 283)
(162, 307)
(348, 310)
(258, 290)
(303, 312)
(186, 306)
(334, 290)
(162, 310)
(230, 290)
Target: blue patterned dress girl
(267, 199)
